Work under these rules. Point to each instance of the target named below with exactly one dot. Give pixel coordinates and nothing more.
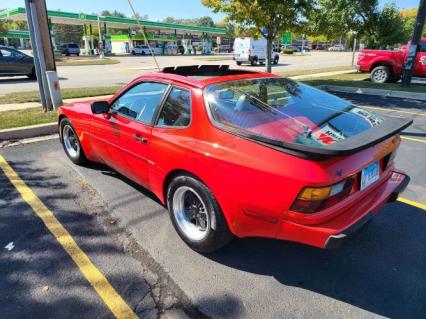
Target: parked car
(337, 47)
(14, 62)
(141, 50)
(295, 48)
(70, 49)
(240, 153)
(253, 51)
(387, 66)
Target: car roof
(201, 76)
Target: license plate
(369, 175)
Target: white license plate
(369, 175)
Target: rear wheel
(381, 74)
(254, 61)
(196, 215)
(71, 143)
(239, 62)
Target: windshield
(286, 111)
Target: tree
(269, 18)
(335, 18)
(389, 29)
(114, 13)
(205, 22)
(3, 28)
(409, 16)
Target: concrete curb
(28, 131)
(379, 92)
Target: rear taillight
(314, 199)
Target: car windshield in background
(74, 46)
(285, 111)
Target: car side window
(176, 111)
(6, 53)
(141, 101)
(422, 46)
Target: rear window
(285, 111)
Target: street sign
(286, 38)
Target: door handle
(140, 139)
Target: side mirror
(100, 107)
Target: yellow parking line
(413, 139)
(412, 203)
(392, 110)
(108, 294)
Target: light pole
(413, 48)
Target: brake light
(313, 199)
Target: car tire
(206, 230)
(67, 53)
(254, 61)
(71, 143)
(78, 54)
(239, 63)
(143, 53)
(276, 59)
(32, 75)
(133, 52)
(380, 74)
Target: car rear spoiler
(388, 128)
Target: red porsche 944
(239, 153)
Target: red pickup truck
(387, 65)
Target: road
(132, 66)
(381, 273)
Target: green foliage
(409, 16)
(389, 29)
(334, 18)
(205, 21)
(272, 16)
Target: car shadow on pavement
(38, 278)
(383, 270)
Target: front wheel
(254, 61)
(380, 74)
(196, 215)
(276, 59)
(71, 143)
(239, 62)
(32, 75)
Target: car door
(122, 137)
(15, 62)
(172, 129)
(5, 61)
(420, 64)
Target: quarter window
(177, 109)
(141, 101)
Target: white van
(249, 50)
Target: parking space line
(413, 139)
(412, 202)
(392, 110)
(98, 281)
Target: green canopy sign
(286, 38)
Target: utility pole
(44, 60)
(413, 49)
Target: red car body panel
(369, 59)
(255, 185)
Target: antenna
(144, 35)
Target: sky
(155, 9)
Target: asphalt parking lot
(122, 228)
(132, 66)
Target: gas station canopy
(61, 17)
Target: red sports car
(233, 152)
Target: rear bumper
(335, 241)
(335, 232)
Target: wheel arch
(382, 63)
(178, 172)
